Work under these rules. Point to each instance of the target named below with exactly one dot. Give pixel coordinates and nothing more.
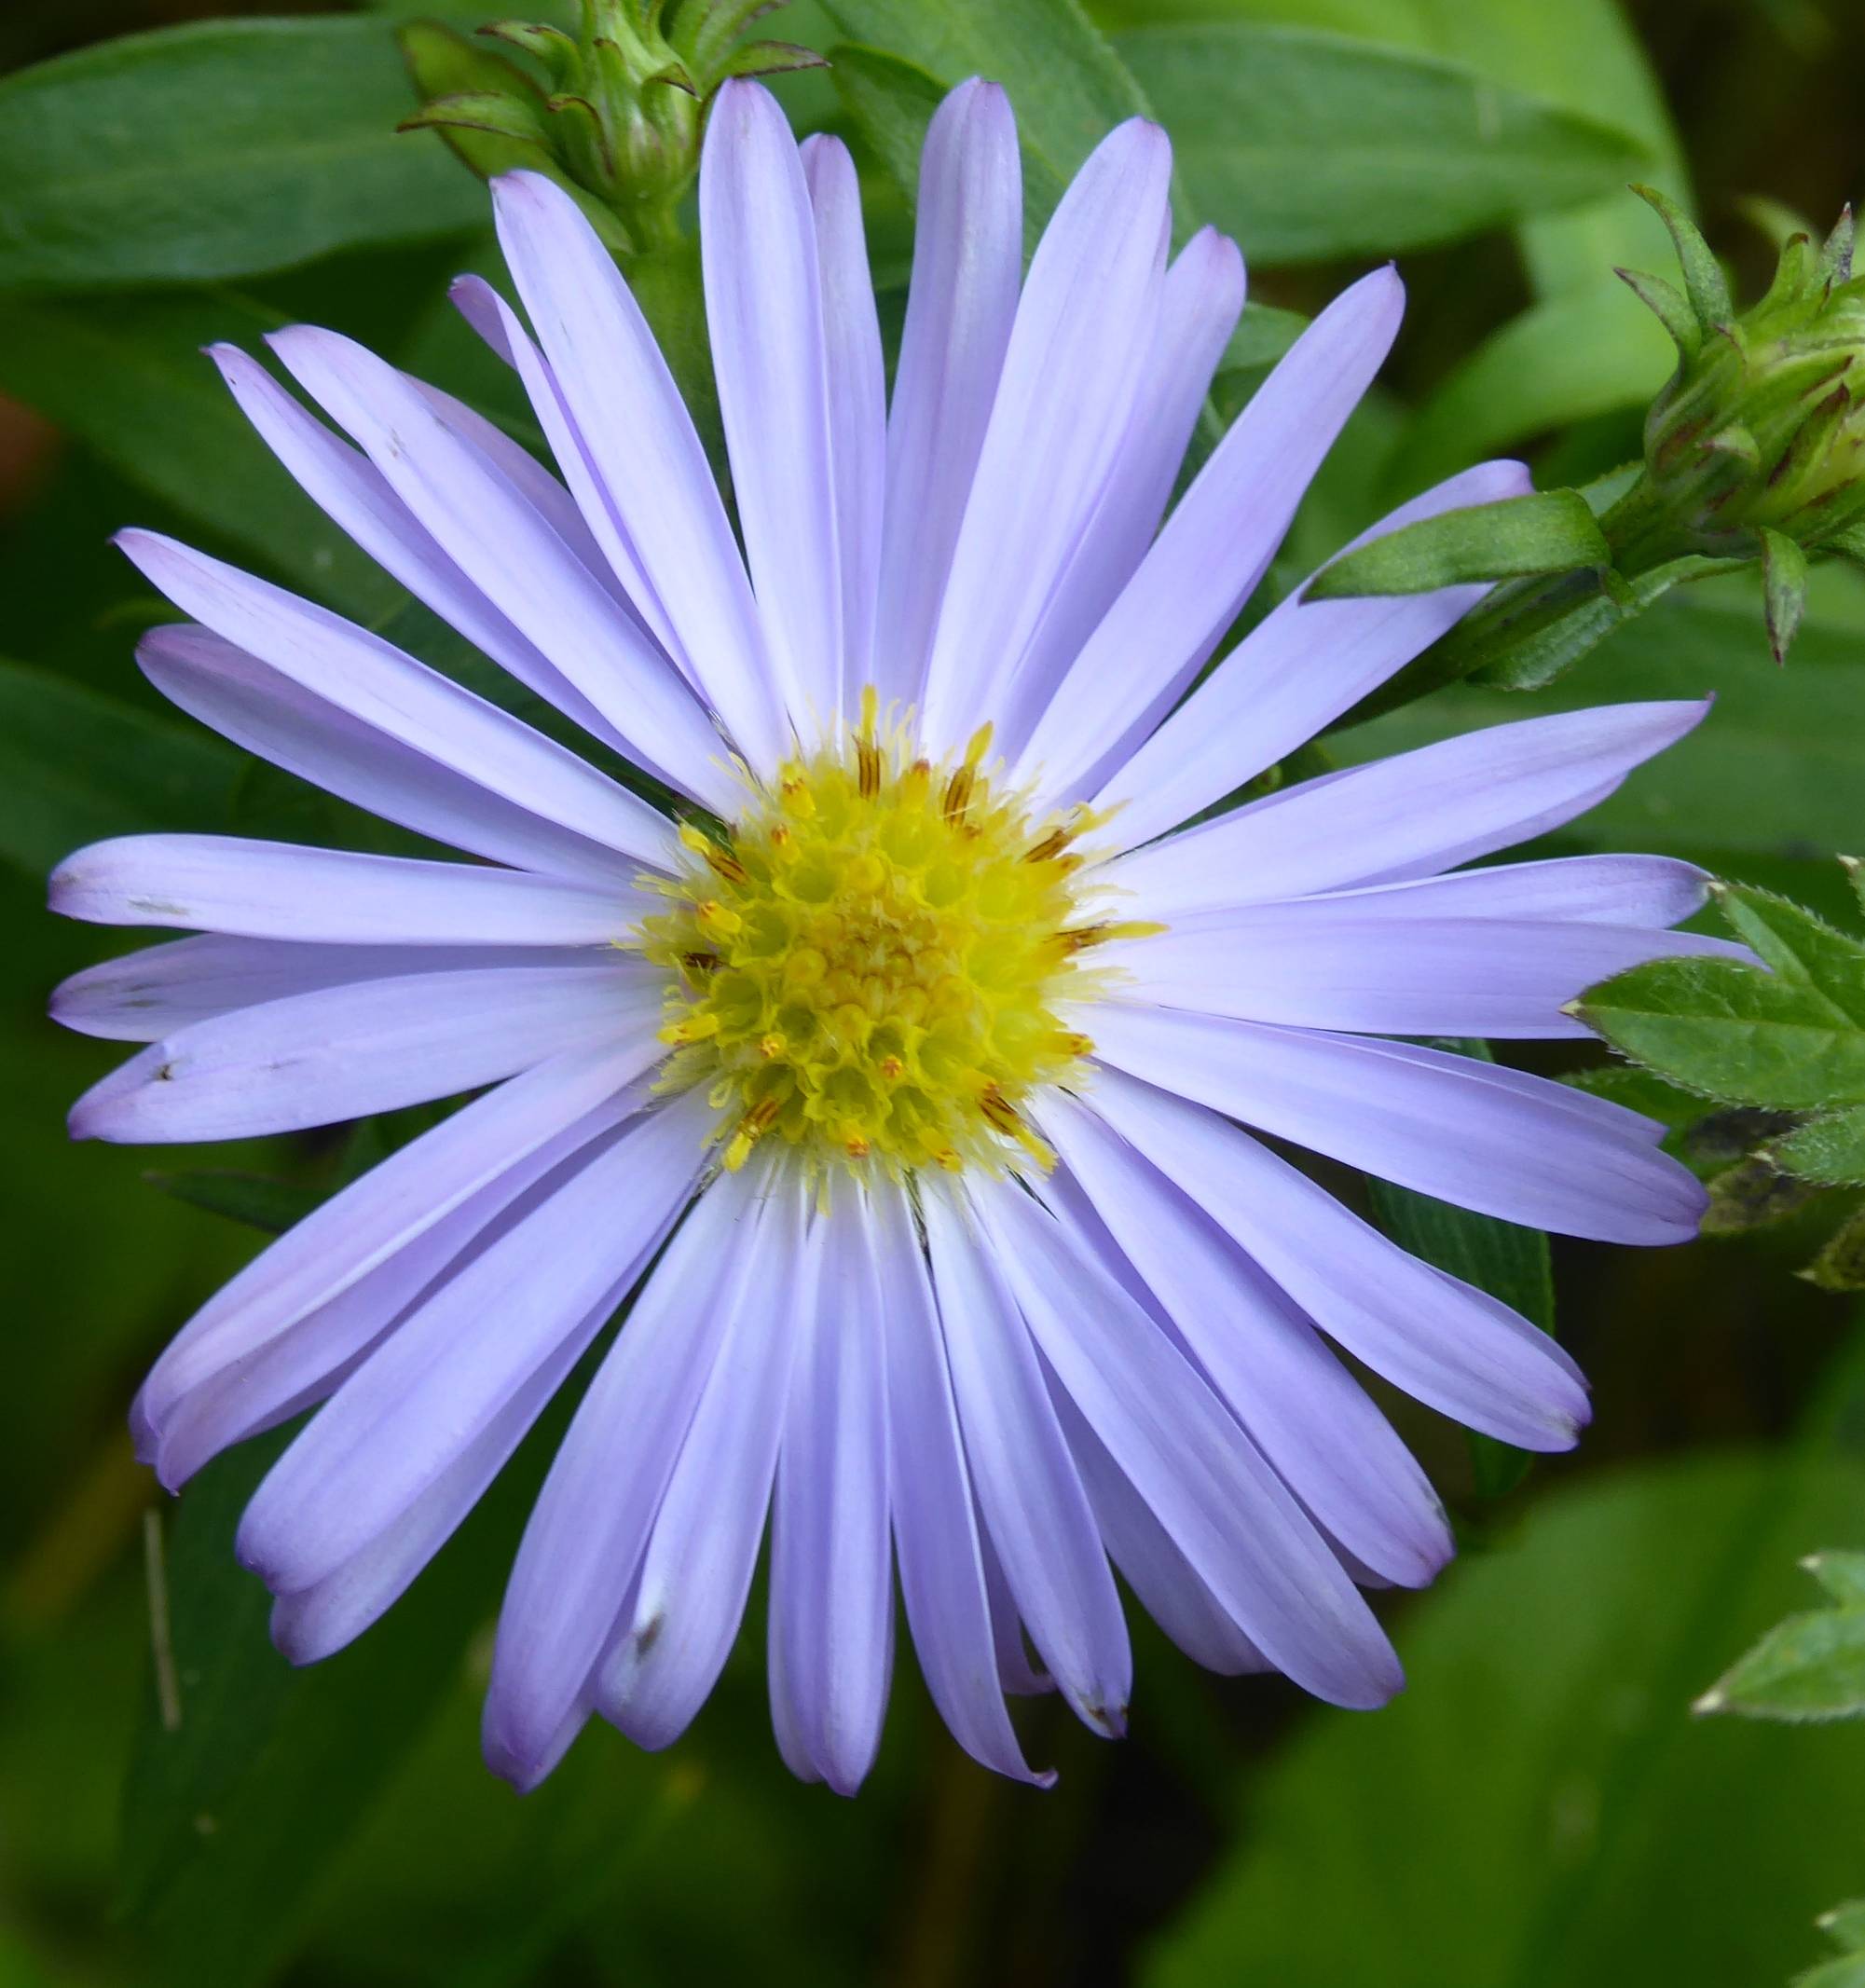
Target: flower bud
(1761, 429)
(618, 111)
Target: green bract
(620, 112)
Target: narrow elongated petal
(583, 1545)
(343, 1052)
(1315, 963)
(374, 1218)
(143, 996)
(265, 1380)
(943, 1579)
(268, 714)
(1222, 1506)
(1431, 1121)
(832, 1551)
(489, 527)
(763, 308)
(283, 890)
(697, 1569)
(373, 683)
(968, 263)
(1199, 308)
(1308, 1414)
(641, 444)
(857, 400)
(1070, 379)
(1037, 1513)
(1442, 1340)
(356, 496)
(589, 503)
(1290, 676)
(435, 1385)
(1622, 890)
(1410, 815)
(1167, 1584)
(1218, 541)
(312, 1622)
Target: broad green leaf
(1068, 88)
(1809, 1667)
(1797, 945)
(1509, 1262)
(1830, 1149)
(1539, 1809)
(1306, 146)
(1565, 359)
(77, 766)
(1788, 1035)
(1548, 531)
(215, 150)
(129, 379)
(1843, 1577)
(1732, 1032)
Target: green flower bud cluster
(616, 110)
(1761, 429)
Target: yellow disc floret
(869, 965)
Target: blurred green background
(1539, 1810)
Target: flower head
(902, 1080)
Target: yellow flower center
(869, 965)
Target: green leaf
(1548, 531)
(77, 766)
(1704, 282)
(1536, 1809)
(1845, 1925)
(257, 1200)
(1828, 1150)
(129, 379)
(1809, 1667)
(1307, 146)
(1068, 88)
(1509, 1262)
(1730, 1032)
(1843, 1577)
(215, 150)
(1797, 945)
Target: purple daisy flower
(902, 1081)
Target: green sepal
(496, 116)
(771, 57)
(1834, 267)
(1784, 585)
(1668, 304)
(1704, 282)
